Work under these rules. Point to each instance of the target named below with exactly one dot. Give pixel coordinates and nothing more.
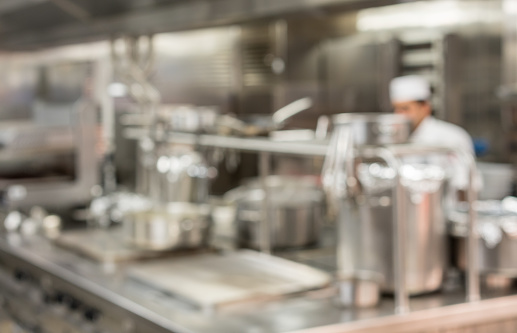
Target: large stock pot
(370, 215)
(362, 191)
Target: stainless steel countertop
(313, 312)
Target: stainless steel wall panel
(17, 87)
(196, 67)
(353, 74)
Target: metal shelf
(266, 145)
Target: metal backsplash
(196, 67)
(17, 87)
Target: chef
(411, 96)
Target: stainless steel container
(375, 128)
(368, 242)
(497, 229)
(180, 174)
(189, 118)
(168, 227)
(363, 189)
(297, 211)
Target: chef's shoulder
(452, 133)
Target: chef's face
(416, 111)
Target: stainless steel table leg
(399, 234)
(265, 223)
(399, 257)
(473, 293)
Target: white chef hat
(409, 88)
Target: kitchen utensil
(497, 229)
(168, 227)
(181, 174)
(371, 215)
(361, 189)
(297, 211)
(255, 124)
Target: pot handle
(291, 109)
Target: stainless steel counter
(102, 298)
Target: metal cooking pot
(169, 227)
(375, 128)
(367, 241)
(297, 211)
(497, 229)
(180, 174)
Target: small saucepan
(171, 226)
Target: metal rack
(392, 154)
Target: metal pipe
(265, 223)
(399, 234)
(473, 292)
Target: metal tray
(211, 281)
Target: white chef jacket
(432, 131)
(435, 132)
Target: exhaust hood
(31, 24)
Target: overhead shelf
(266, 145)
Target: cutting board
(213, 280)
